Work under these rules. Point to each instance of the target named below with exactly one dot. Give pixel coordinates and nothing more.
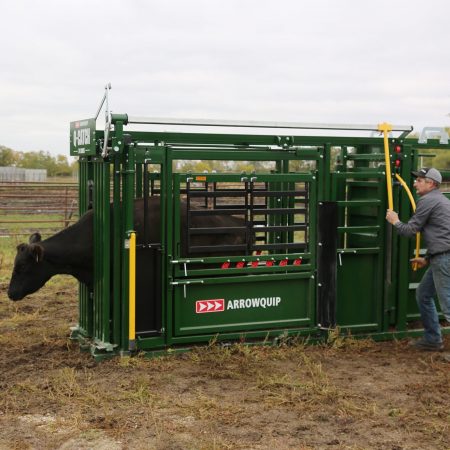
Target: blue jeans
(435, 282)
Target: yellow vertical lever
(132, 293)
(385, 128)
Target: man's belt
(439, 253)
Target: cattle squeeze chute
(291, 246)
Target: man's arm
(417, 221)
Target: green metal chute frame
(376, 301)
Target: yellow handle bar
(132, 292)
(413, 204)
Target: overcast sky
(326, 61)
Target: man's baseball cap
(432, 174)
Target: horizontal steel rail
(260, 124)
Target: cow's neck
(58, 265)
(69, 252)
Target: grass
(346, 393)
(7, 255)
(337, 340)
(312, 388)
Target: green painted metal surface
(244, 304)
(257, 294)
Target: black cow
(71, 250)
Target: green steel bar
(128, 176)
(139, 180)
(90, 317)
(324, 193)
(169, 206)
(365, 157)
(186, 342)
(85, 303)
(274, 220)
(106, 257)
(312, 220)
(359, 250)
(247, 279)
(380, 219)
(245, 270)
(247, 258)
(178, 179)
(358, 203)
(405, 247)
(357, 229)
(101, 255)
(98, 249)
(116, 252)
(244, 140)
(284, 187)
(359, 175)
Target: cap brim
(416, 174)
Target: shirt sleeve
(418, 220)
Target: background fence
(27, 207)
(18, 174)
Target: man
(432, 219)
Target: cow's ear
(37, 252)
(35, 237)
(21, 247)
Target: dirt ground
(348, 394)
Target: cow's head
(29, 273)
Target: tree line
(59, 165)
(56, 166)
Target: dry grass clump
(337, 340)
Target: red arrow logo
(206, 306)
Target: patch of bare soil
(350, 394)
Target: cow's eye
(19, 269)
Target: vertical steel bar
(106, 252)
(117, 251)
(167, 230)
(97, 251)
(85, 303)
(132, 293)
(128, 205)
(146, 238)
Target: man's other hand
(418, 262)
